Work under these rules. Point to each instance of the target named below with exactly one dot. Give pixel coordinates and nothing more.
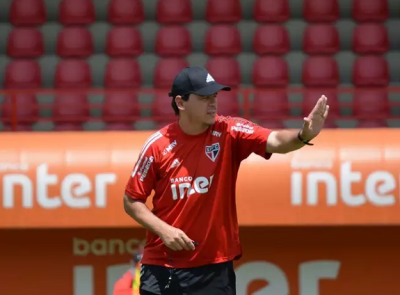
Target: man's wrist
(302, 139)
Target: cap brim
(212, 88)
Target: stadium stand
(108, 64)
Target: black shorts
(214, 279)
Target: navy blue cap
(195, 80)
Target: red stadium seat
(372, 124)
(25, 43)
(27, 109)
(173, 41)
(318, 11)
(223, 11)
(19, 128)
(166, 69)
(118, 107)
(370, 38)
(71, 108)
(73, 73)
(123, 73)
(75, 42)
(271, 39)
(68, 127)
(370, 11)
(222, 40)
(271, 11)
(125, 12)
(228, 104)
(118, 126)
(225, 70)
(174, 11)
(124, 41)
(23, 74)
(368, 103)
(321, 39)
(270, 104)
(320, 71)
(76, 12)
(162, 109)
(311, 96)
(370, 70)
(270, 71)
(27, 13)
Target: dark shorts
(214, 279)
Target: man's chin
(210, 120)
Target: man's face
(202, 109)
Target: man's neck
(190, 127)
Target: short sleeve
(249, 138)
(143, 178)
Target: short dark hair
(173, 103)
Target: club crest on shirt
(212, 151)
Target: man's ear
(179, 102)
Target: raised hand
(315, 121)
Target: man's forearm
(284, 141)
(142, 214)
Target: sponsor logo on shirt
(170, 148)
(240, 127)
(185, 186)
(212, 151)
(175, 164)
(216, 133)
(146, 166)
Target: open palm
(315, 121)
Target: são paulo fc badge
(212, 151)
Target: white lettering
(243, 129)
(379, 187)
(75, 189)
(310, 273)
(146, 169)
(201, 185)
(170, 148)
(103, 247)
(46, 179)
(9, 182)
(102, 180)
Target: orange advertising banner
(53, 180)
(276, 260)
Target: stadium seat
(370, 38)
(116, 126)
(73, 73)
(270, 71)
(270, 104)
(371, 103)
(311, 96)
(19, 128)
(25, 43)
(124, 41)
(27, 13)
(22, 73)
(68, 127)
(321, 39)
(173, 41)
(225, 70)
(370, 70)
(165, 71)
(271, 11)
(223, 11)
(71, 108)
(27, 111)
(222, 40)
(228, 104)
(271, 39)
(120, 107)
(76, 12)
(317, 11)
(75, 41)
(125, 12)
(372, 124)
(161, 108)
(174, 11)
(370, 11)
(123, 73)
(320, 71)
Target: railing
(13, 115)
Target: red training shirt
(194, 178)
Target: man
(192, 165)
(129, 283)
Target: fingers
(326, 112)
